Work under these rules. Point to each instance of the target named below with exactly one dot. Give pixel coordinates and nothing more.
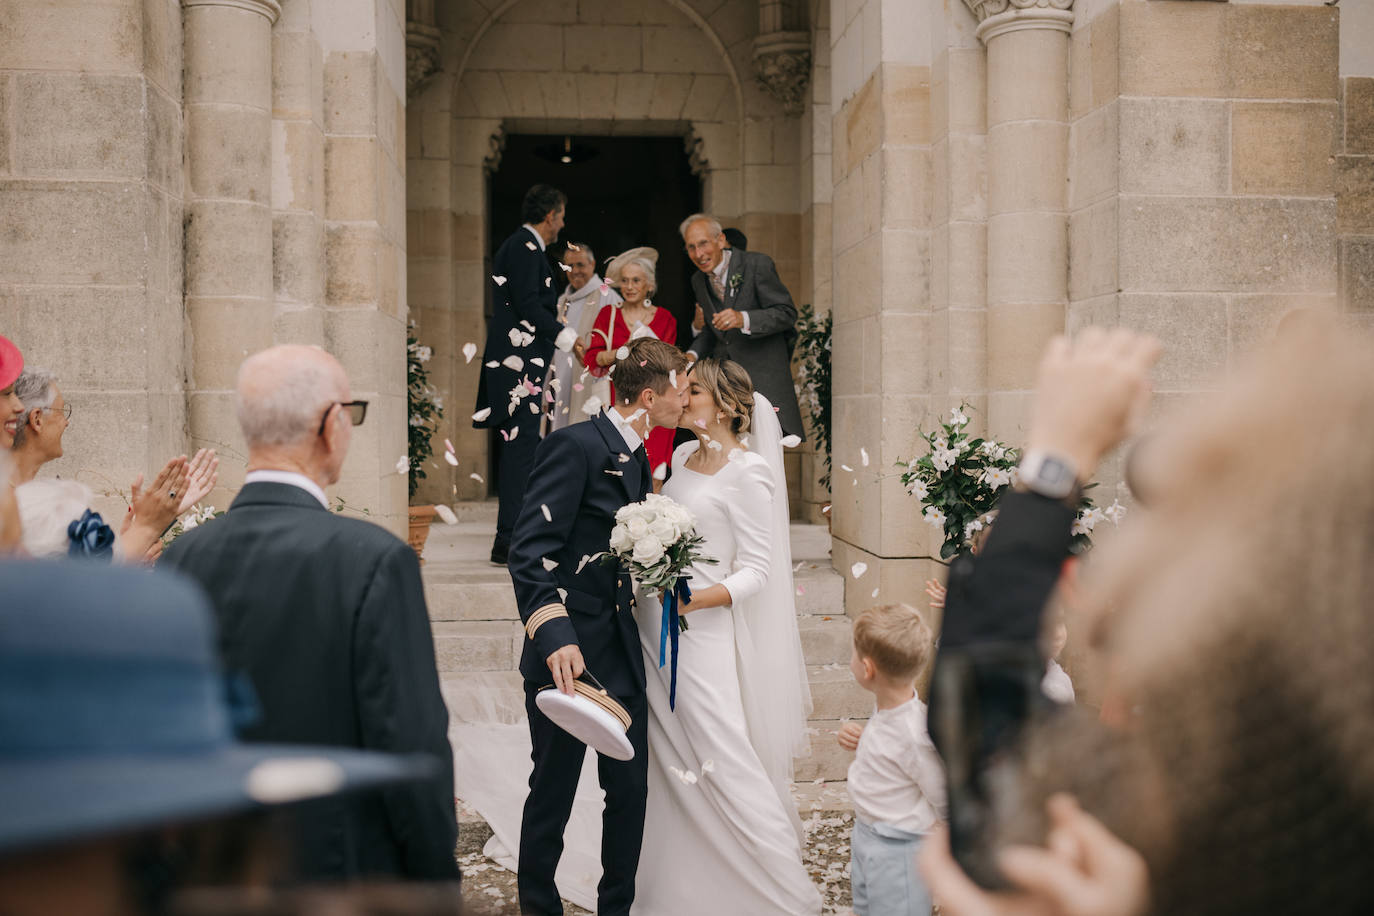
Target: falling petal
(863, 456)
(513, 362)
(622, 353)
(562, 594)
(515, 431)
(583, 562)
(538, 362)
(545, 509)
(708, 766)
(791, 441)
(858, 569)
(477, 477)
(875, 593)
(548, 281)
(451, 458)
(524, 323)
(572, 247)
(492, 364)
(499, 281)
(402, 464)
(550, 565)
(845, 467)
(578, 386)
(661, 472)
(469, 351)
(800, 590)
(445, 513)
(566, 268)
(448, 446)
(481, 415)
(623, 457)
(605, 288)
(672, 377)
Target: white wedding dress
(728, 843)
(721, 834)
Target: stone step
(477, 590)
(827, 759)
(495, 645)
(835, 695)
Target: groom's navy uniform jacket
(582, 475)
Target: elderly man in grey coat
(749, 314)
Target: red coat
(611, 324)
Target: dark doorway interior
(622, 192)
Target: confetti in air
(545, 509)
(845, 467)
(402, 464)
(548, 281)
(566, 268)
(526, 325)
(481, 415)
(448, 446)
(858, 569)
(531, 246)
(451, 458)
(578, 386)
(499, 281)
(622, 353)
(477, 477)
(492, 364)
(661, 472)
(687, 776)
(708, 766)
(513, 362)
(538, 362)
(875, 593)
(445, 513)
(791, 441)
(586, 558)
(469, 351)
(672, 377)
(550, 565)
(863, 456)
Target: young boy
(896, 781)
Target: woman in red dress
(633, 275)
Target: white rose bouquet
(656, 540)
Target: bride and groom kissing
(711, 776)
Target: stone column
(1027, 161)
(228, 115)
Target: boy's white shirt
(897, 778)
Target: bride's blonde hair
(730, 387)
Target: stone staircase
(477, 629)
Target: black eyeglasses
(357, 412)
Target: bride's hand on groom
(567, 666)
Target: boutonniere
(734, 284)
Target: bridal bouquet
(656, 540)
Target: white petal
(402, 464)
(492, 364)
(845, 467)
(531, 246)
(566, 268)
(482, 414)
(469, 351)
(545, 509)
(499, 281)
(863, 456)
(445, 513)
(513, 362)
(550, 565)
(548, 281)
(858, 569)
(622, 353)
(451, 458)
(791, 441)
(476, 477)
(538, 362)
(708, 766)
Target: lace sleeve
(752, 491)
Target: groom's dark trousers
(582, 475)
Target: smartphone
(981, 700)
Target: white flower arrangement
(657, 541)
(194, 517)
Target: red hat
(11, 363)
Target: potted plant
(813, 382)
(425, 409)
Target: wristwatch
(1051, 475)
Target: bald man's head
(283, 393)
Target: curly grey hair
(37, 389)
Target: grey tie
(718, 285)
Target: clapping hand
(848, 735)
(1083, 870)
(937, 593)
(158, 506)
(203, 474)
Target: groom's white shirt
(627, 430)
(290, 478)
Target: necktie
(718, 285)
(645, 474)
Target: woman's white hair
(645, 265)
(282, 406)
(711, 222)
(46, 507)
(37, 389)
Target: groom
(578, 615)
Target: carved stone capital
(782, 66)
(997, 17)
(270, 9)
(496, 148)
(696, 153)
(422, 56)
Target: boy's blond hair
(895, 639)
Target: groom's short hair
(648, 363)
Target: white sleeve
(753, 492)
(926, 768)
(744, 321)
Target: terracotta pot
(421, 517)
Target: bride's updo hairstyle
(731, 389)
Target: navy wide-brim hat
(114, 715)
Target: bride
(721, 830)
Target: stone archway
(642, 67)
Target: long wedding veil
(772, 669)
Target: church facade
(954, 181)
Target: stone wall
(1355, 164)
(91, 185)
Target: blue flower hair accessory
(89, 536)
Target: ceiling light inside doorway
(565, 151)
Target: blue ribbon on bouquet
(669, 628)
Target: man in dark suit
(578, 617)
(750, 317)
(521, 338)
(326, 616)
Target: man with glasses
(326, 616)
